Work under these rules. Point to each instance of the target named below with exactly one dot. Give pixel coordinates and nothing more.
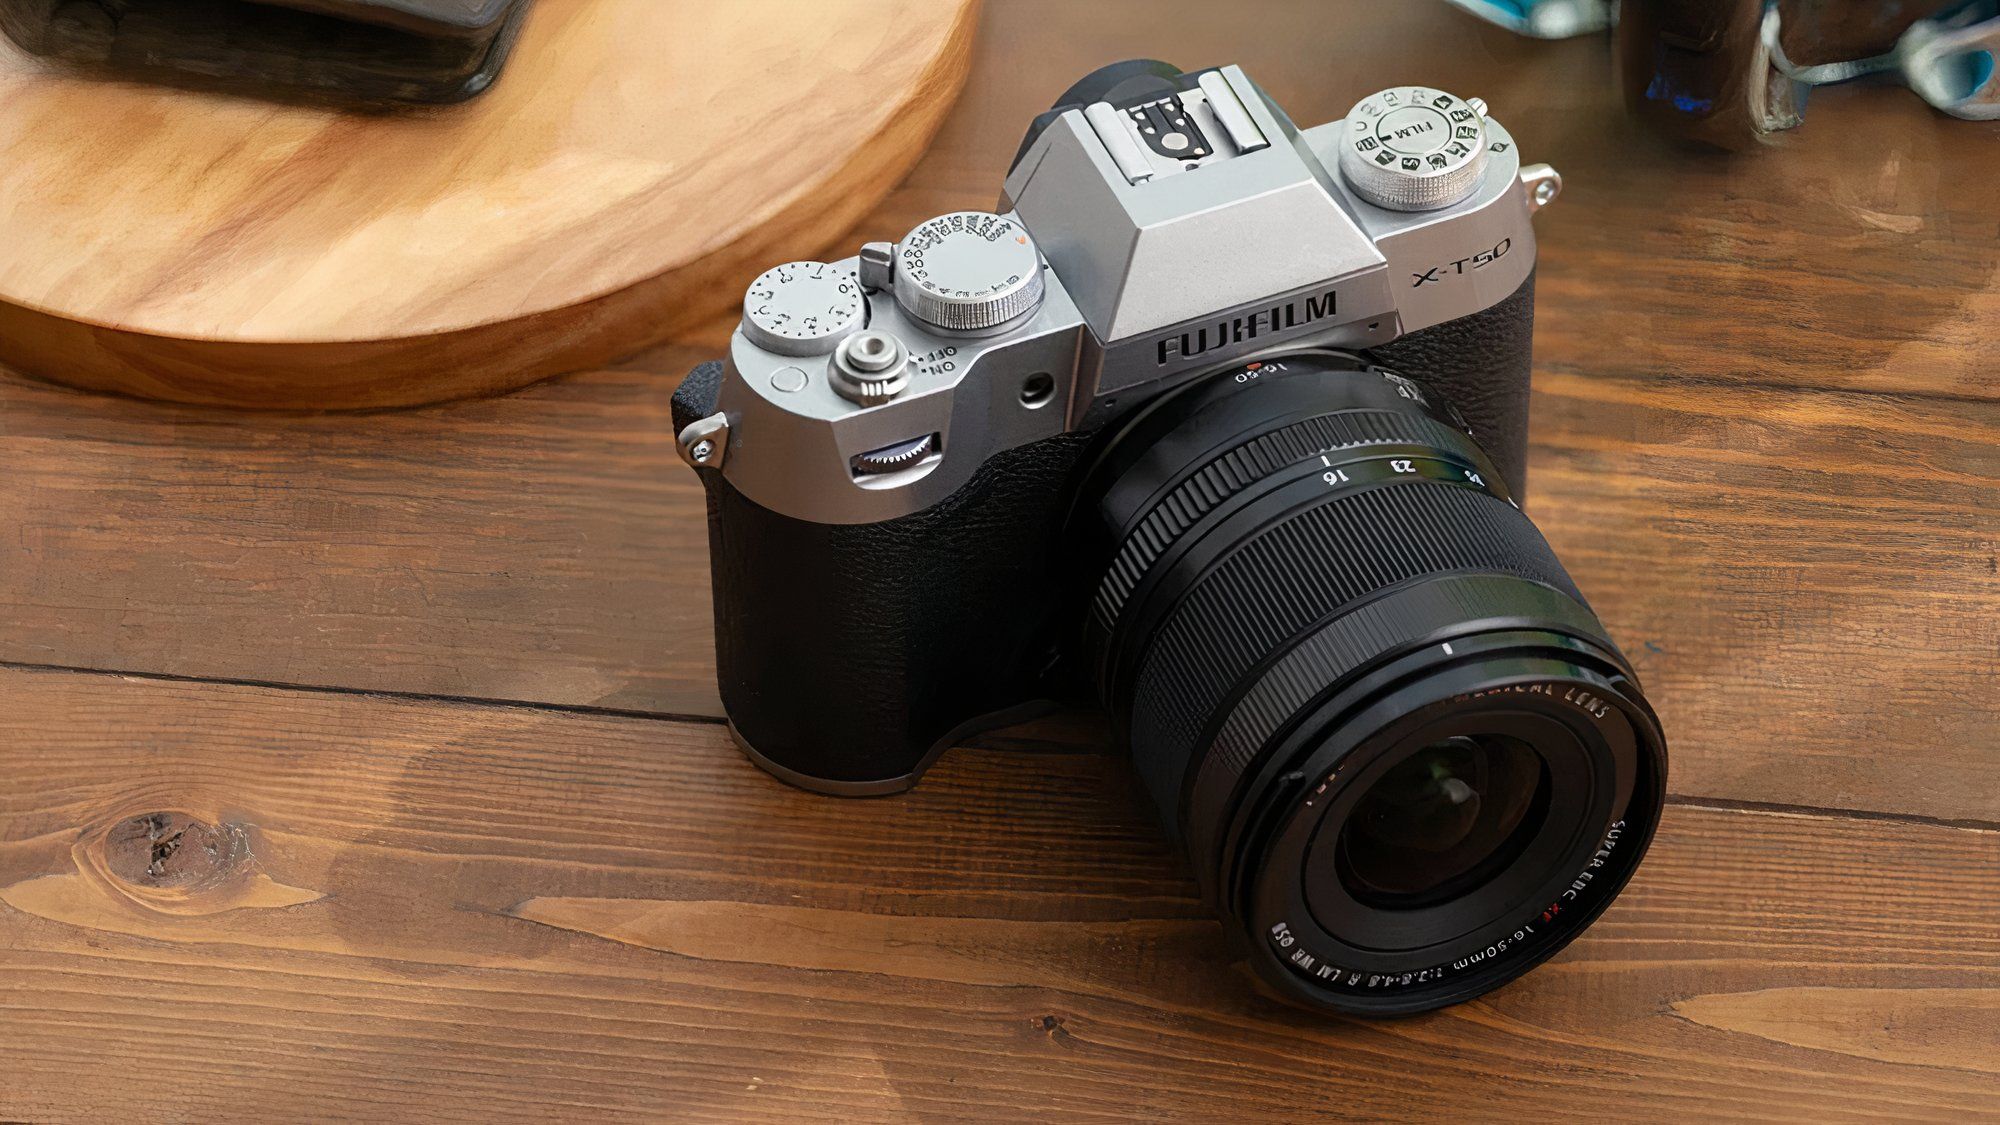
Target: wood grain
(1799, 572)
(637, 163)
(547, 546)
(1948, 1027)
(492, 856)
(512, 913)
(1796, 573)
(1807, 582)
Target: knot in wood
(173, 851)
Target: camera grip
(1481, 364)
(849, 655)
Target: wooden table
(372, 765)
(211, 248)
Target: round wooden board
(637, 162)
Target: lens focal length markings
(1356, 472)
(1322, 440)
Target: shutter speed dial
(966, 271)
(803, 308)
(1413, 148)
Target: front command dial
(803, 308)
(967, 271)
(1414, 148)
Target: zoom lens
(1404, 757)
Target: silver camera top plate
(1177, 235)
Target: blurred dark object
(369, 51)
(1697, 69)
(1733, 72)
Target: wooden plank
(1806, 582)
(253, 903)
(548, 546)
(234, 901)
(1802, 576)
(1815, 569)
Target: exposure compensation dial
(1413, 148)
(803, 308)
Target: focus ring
(1244, 466)
(1295, 574)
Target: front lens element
(1441, 821)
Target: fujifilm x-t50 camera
(1219, 424)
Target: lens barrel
(1404, 757)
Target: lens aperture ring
(1243, 466)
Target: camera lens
(1402, 754)
(1440, 822)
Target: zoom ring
(1294, 575)
(1244, 466)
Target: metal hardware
(1137, 288)
(895, 457)
(1542, 184)
(968, 271)
(877, 265)
(869, 368)
(1412, 148)
(803, 308)
(1125, 151)
(704, 442)
(1228, 109)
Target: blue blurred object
(1703, 52)
(1662, 88)
(1545, 19)
(1947, 60)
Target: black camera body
(1187, 430)
(842, 649)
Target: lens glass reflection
(1442, 821)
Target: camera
(1218, 424)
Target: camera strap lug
(1543, 184)
(705, 441)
